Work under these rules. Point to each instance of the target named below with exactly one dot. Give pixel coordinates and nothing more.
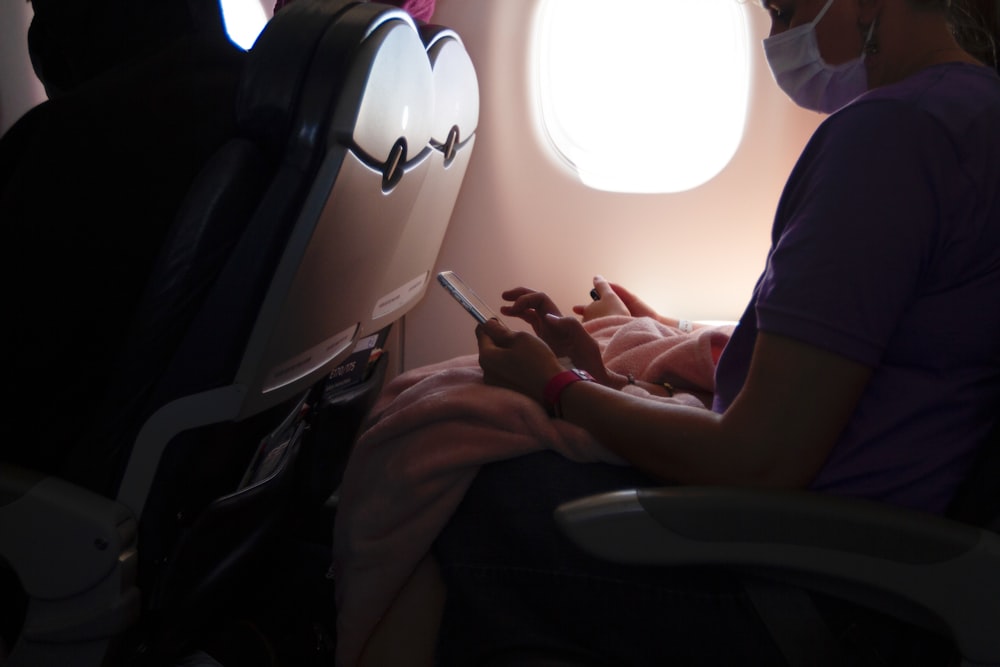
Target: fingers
(636, 306)
(529, 305)
(515, 359)
(602, 287)
(492, 334)
(626, 296)
(525, 300)
(607, 302)
(607, 298)
(562, 325)
(514, 293)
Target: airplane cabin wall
(523, 218)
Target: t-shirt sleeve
(854, 230)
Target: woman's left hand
(565, 336)
(515, 359)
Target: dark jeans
(517, 585)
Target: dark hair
(975, 31)
(973, 23)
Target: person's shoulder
(874, 121)
(938, 104)
(942, 80)
(949, 95)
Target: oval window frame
(659, 145)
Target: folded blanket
(431, 430)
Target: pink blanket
(432, 429)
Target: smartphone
(467, 297)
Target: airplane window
(651, 98)
(244, 21)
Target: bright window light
(650, 96)
(244, 21)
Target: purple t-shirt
(886, 251)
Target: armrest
(949, 569)
(74, 553)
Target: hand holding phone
(466, 296)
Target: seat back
(273, 269)
(376, 170)
(291, 299)
(446, 158)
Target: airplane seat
(272, 272)
(452, 139)
(939, 575)
(442, 163)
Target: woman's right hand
(565, 336)
(531, 306)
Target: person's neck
(948, 54)
(941, 48)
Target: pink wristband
(557, 383)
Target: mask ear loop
(822, 13)
(871, 44)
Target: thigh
(515, 583)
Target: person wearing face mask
(867, 363)
(800, 70)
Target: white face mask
(801, 72)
